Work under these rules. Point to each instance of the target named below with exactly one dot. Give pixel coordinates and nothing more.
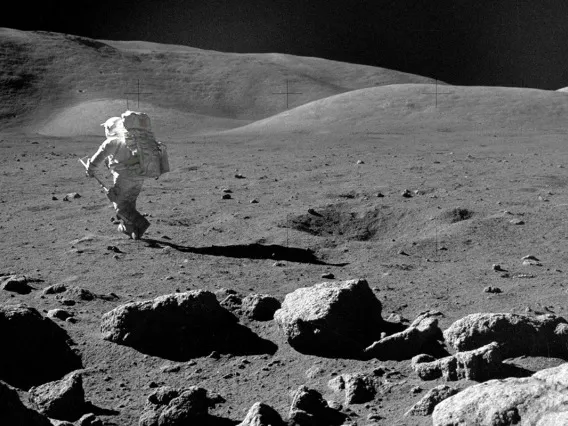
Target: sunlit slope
(44, 74)
(413, 106)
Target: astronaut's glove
(90, 171)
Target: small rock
(531, 262)
(227, 191)
(415, 389)
(406, 193)
(328, 276)
(54, 289)
(496, 267)
(313, 212)
(403, 253)
(260, 307)
(262, 415)
(71, 196)
(254, 201)
(67, 302)
(89, 420)
(226, 197)
(279, 263)
(54, 198)
(380, 195)
(313, 372)
(530, 257)
(239, 176)
(490, 289)
(517, 221)
(61, 314)
(360, 162)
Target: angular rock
(260, 307)
(16, 283)
(537, 400)
(337, 384)
(359, 388)
(310, 409)
(175, 407)
(331, 318)
(421, 336)
(181, 326)
(544, 335)
(14, 412)
(262, 415)
(25, 334)
(433, 397)
(62, 399)
(479, 364)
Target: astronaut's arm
(107, 148)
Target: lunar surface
(432, 194)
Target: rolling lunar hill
(65, 85)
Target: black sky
(470, 42)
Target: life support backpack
(152, 155)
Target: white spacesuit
(120, 154)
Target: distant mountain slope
(50, 76)
(414, 106)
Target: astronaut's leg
(125, 192)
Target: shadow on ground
(249, 251)
(236, 339)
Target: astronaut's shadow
(249, 251)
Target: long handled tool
(95, 176)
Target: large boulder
(479, 364)
(14, 413)
(541, 399)
(35, 350)
(310, 409)
(62, 399)
(544, 335)
(331, 318)
(262, 415)
(176, 407)
(422, 336)
(181, 326)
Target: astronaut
(118, 151)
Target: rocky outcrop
(181, 326)
(262, 415)
(260, 307)
(541, 399)
(14, 412)
(544, 335)
(310, 409)
(176, 407)
(421, 336)
(331, 318)
(62, 399)
(26, 335)
(433, 397)
(479, 364)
